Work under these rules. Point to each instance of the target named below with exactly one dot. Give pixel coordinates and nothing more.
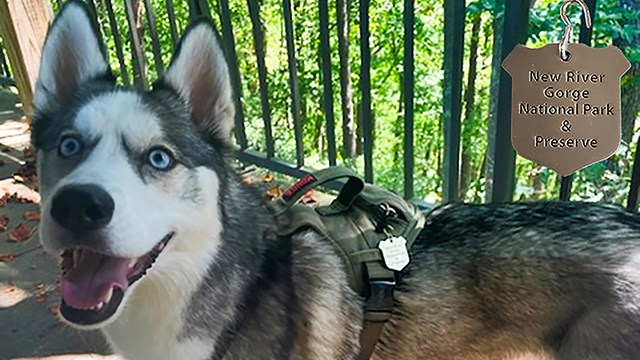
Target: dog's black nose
(82, 208)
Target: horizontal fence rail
(147, 23)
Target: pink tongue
(89, 282)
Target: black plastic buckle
(380, 296)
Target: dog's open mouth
(93, 284)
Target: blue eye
(160, 159)
(69, 146)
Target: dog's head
(126, 176)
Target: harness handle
(348, 193)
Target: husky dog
(167, 252)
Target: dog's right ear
(72, 55)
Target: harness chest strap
(353, 231)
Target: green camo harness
(362, 220)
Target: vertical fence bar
(585, 32)
(454, 15)
(293, 81)
(115, 32)
(407, 83)
(171, 14)
(634, 188)
(258, 43)
(515, 28)
(92, 10)
(199, 8)
(327, 86)
(155, 41)
(234, 69)
(136, 48)
(365, 89)
(194, 9)
(565, 187)
(566, 182)
(203, 5)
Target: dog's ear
(199, 73)
(72, 55)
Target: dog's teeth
(108, 298)
(100, 306)
(132, 263)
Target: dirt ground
(28, 290)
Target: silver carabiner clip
(568, 26)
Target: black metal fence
(501, 156)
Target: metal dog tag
(395, 253)
(566, 114)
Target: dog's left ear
(73, 54)
(199, 73)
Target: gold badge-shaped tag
(566, 113)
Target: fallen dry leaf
(4, 222)
(268, 178)
(20, 233)
(32, 215)
(41, 292)
(275, 191)
(28, 153)
(27, 173)
(6, 257)
(4, 199)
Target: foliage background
(616, 22)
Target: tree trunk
(631, 89)
(496, 68)
(346, 88)
(469, 99)
(139, 29)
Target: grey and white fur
(486, 282)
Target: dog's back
(490, 281)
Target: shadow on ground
(29, 297)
